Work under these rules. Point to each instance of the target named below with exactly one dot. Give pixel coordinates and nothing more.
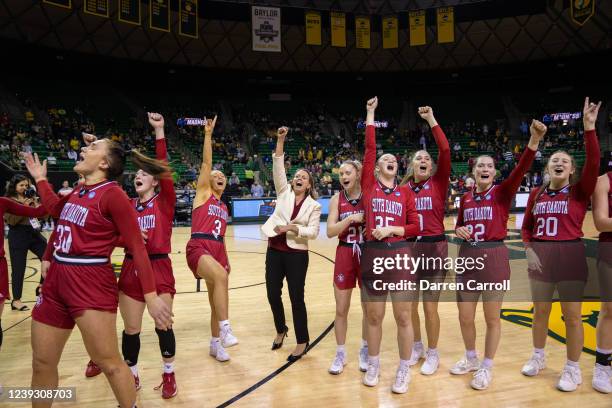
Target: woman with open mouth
(294, 222)
(155, 210)
(482, 225)
(206, 253)
(552, 231)
(345, 220)
(390, 218)
(430, 190)
(80, 285)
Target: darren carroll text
(472, 284)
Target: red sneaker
(137, 382)
(92, 370)
(168, 386)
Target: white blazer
(308, 217)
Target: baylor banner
(313, 28)
(266, 23)
(582, 10)
(362, 32)
(188, 18)
(96, 7)
(446, 25)
(389, 32)
(60, 3)
(416, 20)
(337, 25)
(129, 11)
(159, 15)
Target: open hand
(589, 114)
(37, 170)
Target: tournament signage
(59, 3)
(582, 10)
(337, 22)
(390, 32)
(416, 22)
(313, 28)
(362, 32)
(554, 117)
(96, 7)
(266, 27)
(129, 11)
(189, 18)
(159, 15)
(446, 25)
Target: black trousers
(21, 239)
(293, 266)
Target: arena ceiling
(487, 32)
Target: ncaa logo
(488, 196)
(426, 187)
(150, 205)
(91, 195)
(397, 193)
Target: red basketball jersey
(354, 232)
(607, 236)
(429, 203)
(485, 214)
(387, 207)
(210, 218)
(157, 222)
(82, 229)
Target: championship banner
(362, 32)
(60, 3)
(416, 22)
(389, 32)
(159, 15)
(266, 26)
(313, 28)
(129, 11)
(188, 18)
(582, 10)
(96, 7)
(446, 25)
(337, 25)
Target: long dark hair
(154, 167)
(116, 160)
(311, 191)
(11, 187)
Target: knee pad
(167, 342)
(130, 347)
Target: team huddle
(373, 216)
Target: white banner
(266, 23)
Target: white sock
(168, 367)
(417, 345)
(603, 351)
(487, 363)
(572, 363)
(214, 340)
(340, 349)
(433, 351)
(374, 360)
(223, 323)
(134, 370)
(404, 364)
(364, 343)
(538, 352)
(471, 354)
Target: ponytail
(154, 167)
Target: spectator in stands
(65, 190)
(524, 128)
(234, 180)
(536, 180)
(190, 173)
(72, 154)
(257, 190)
(423, 142)
(508, 156)
(456, 147)
(75, 144)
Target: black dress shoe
(293, 358)
(23, 308)
(276, 346)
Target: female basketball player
(155, 208)
(430, 190)
(482, 223)
(556, 256)
(390, 217)
(206, 254)
(602, 214)
(80, 285)
(345, 220)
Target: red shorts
(71, 289)
(129, 283)
(561, 261)
(196, 247)
(433, 256)
(485, 262)
(346, 268)
(4, 280)
(381, 275)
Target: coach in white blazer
(295, 220)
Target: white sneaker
(218, 352)
(432, 361)
(534, 365)
(465, 365)
(482, 379)
(227, 337)
(338, 364)
(418, 352)
(370, 378)
(363, 359)
(402, 378)
(602, 378)
(570, 379)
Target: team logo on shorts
(340, 277)
(39, 300)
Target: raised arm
(278, 161)
(369, 156)
(601, 213)
(12, 207)
(52, 203)
(443, 165)
(166, 184)
(590, 170)
(203, 190)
